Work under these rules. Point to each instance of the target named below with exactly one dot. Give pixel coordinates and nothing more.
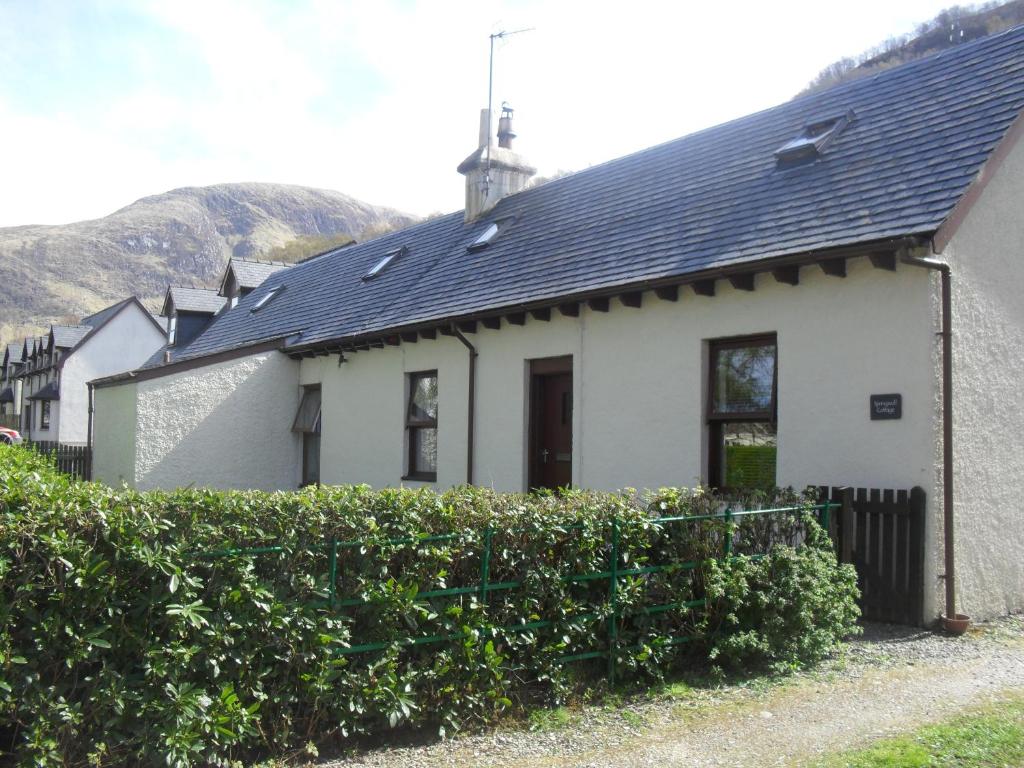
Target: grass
(992, 737)
(550, 719)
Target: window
(381, 265)
(265, 299)
(741, 412)
(421, 426)
(813, 138)
(307, 422)
(490, 233)
(44, 414)
(172, 329)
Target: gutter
(471, 420)
(951, 621)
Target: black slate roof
(7, 395)
(202, 300)
(97, 319)
(67, 336)
(251, 274)
(711, 199)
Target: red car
(9, 436)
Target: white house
(758, 302)
(55, 369)
(10, 386)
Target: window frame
(717, 421)
(309, 434)
(44, 415)
(413, 425)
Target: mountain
(953, 26)
(185, 236)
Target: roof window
(266, 298)
(490, 233)
(383, 264)
(813, 139)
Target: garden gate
(882, 533)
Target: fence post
(918, 510)
(848, 526)
(334, 571)
(485, 565)
(613, 585)
(728, 531)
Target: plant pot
(956, 625)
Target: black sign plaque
(886, 407)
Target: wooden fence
(71, 459)
(882, 533)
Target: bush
(123, 640)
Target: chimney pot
(505, 132)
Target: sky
(106, 101)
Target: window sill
(424, 477)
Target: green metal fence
(484, 588)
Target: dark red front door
(551, 428)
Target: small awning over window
(7, 396)
(49, 392)
(308, 417)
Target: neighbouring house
(10, 386)
(54, 370)
(759, 302)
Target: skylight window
(383, 264)
(489, 234)
(265, 299)
(812, 139)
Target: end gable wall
(226, 425)
(986, 254)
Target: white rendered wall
(127, 341)
(638, 388)
(987, 259)
(113, 457)
(226, 425)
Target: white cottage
(759, 302)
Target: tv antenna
(490, 97)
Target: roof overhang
(191, 363)
(785, 268)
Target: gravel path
(890, 680)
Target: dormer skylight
(813, 139)
(384, 263)
(266, 298)
(490, 233)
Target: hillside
(185, 236)
(953, 26)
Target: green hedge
(122, 643)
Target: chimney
(502, 173)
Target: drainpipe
(947, 425)
(471, 428)
(88, 434)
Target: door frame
(538, 368)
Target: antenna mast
(490, 98)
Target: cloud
(379, 99)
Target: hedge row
(124, 642)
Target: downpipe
(951, 621)
(471, 420)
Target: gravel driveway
(890, 680)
